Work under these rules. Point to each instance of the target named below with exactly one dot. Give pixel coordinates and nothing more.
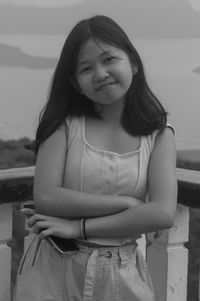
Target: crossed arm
(60, 209)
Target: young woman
(105, 173)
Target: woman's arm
(159, 213)
(53, 200)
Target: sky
(176, 18)
(45, 3)
(195, 4)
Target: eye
(85, 69)
(109, 59)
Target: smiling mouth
(105, 86)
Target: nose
(100, 74)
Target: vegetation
(18, 153)
(189, 159)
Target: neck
(111, 114)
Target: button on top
(108, 254)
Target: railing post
(5, 251)
(168, 260)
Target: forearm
(65, 202)
(141, 219)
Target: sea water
(169, 66)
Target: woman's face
(104, 73)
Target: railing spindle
(168, 260)
(5, 251)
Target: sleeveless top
(96, 171)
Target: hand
(45, 225)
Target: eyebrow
(87, 61)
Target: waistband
(103, 255)
(80, 243)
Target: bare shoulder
(165, 142)
(166, 133)
(162, 166)
(57, 138)
(51, 158)
(162, 181)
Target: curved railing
(167, 257)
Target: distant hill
(189, 159)
(15, 57)
(16, 153)
(140, 18)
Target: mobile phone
(60, 245)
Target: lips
(104, 86)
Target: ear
(134, 69)
(75, 85)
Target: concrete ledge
(17, 185)
(188, 187)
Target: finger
(34, 218)
(41, 225)
(27, 211)
(28, 204)
(45, 233)
(31, 220)
(35, 230)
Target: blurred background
(165, 33)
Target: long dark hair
(142, 114)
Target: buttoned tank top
(97, 171)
